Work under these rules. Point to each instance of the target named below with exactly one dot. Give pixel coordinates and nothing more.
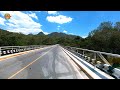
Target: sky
(69, 22)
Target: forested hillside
(106, 37)
(14, 39)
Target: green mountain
(61, 35)
(40, 33)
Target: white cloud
(83, 36)
(33, 15)
(33, 11)
(46, 33)
(65, 31)
(52, 12)
(59, 19)
(58, 27)
(2, 20)
(21, 22)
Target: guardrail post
(95, 56)
(93, 61)
(24, 49)
(76, 50)
(0, 51)
(19, 49)
(83, 52)
(85, 57)
(12, 50)
(88, 59)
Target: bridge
(54, 62)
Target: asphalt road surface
(46, 63)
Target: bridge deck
(46, 63)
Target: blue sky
(70, 22)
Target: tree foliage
(19, 39)
(106, 37)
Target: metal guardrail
(100, 54)
(106, 67)
(5, 50)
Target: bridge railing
(97, 58)
(84, 52)
(4, 50)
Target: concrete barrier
(116, 73)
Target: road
(46, 63)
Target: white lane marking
(28, 65)
(83, 66)
(96, 69)
(73, 64)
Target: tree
(117, 26)
(114, 45)
(105, 26)
(92, 32)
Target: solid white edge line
(73, 64)
(93, 75)
(96, 69)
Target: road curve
(46, 63)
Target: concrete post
(23, 48)
(77, 51)
(19, 49)
(6, 51)
(88, 59)
(98, 62)
(12, 50)
(95, 56)
(85, 57)
(93, 61)
(83, 52)
(26, 48)
(15, 50)
(80, 55)
(0, 51)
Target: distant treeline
(18, 39)
(105, 38)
